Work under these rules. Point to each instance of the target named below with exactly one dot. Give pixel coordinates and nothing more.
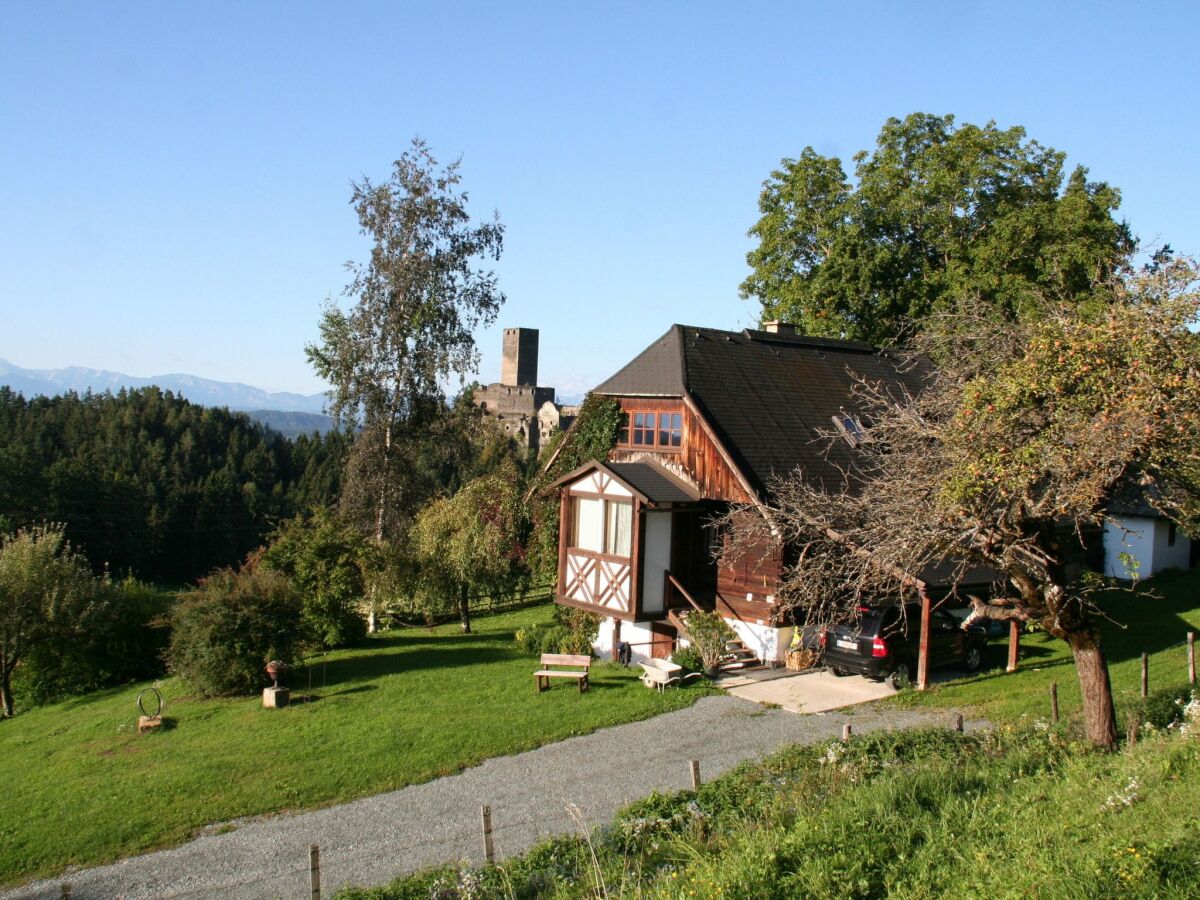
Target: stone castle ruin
(527, 413)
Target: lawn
(1154, 619)
(78, 786)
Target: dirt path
(371, 841)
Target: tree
(43, 581)
(1006, 457)
(471, 542)
(324, 558)
(938, 214)
(415, 303)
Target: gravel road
(371, 841)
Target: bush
(688, 657)
(229, 627)
(708, 632)
(1164, 707)
(572, 631)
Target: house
(711, 418)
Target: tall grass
(1012, 812)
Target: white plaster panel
(656, 561)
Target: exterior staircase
(736, 656)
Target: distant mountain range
(288, 413)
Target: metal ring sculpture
(157, 696)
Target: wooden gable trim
(751, 494)
(594, 466)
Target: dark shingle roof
(654, 482)
(766, 395)
(655, 372)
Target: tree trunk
(6, 700)
(1092, 668)
(464, 610)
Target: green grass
(78, 786)
(1014, 812)
(1154, 619)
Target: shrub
(572, 631)
(708, 632)
(688, 657)
(226, 630)
(1164, 707)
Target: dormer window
(851, 429)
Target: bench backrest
(565, 659)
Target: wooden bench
(544, 674)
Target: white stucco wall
(1131, 535)
(637, 634)
(656, 561)
(1165, 555)
(1147, 541)
(769, 644)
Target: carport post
(923, 652)
(1014, 643)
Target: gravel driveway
(371, 841)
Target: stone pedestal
(149, 723)
(276, 697)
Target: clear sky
(174, 177)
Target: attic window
(851, 429)
(651, 430)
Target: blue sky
(174, 177)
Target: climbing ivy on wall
(592, 436)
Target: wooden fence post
(846, 731)
(314, 871)
(489, 852)
(1145, 675)
(1192, 658)
(1054, 702)
(694, 768)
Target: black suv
(883, 641)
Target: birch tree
(413, 306)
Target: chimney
(518, 364)
(777, 327)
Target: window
(670, 429)
(652, 430)
(620, 528)
(851, 429)
(643, 429)
(603, 526)
(589, 524)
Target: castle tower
(519, 362)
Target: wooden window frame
(652, 427)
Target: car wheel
(901, 676)
(974, 658)
(838, 673)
